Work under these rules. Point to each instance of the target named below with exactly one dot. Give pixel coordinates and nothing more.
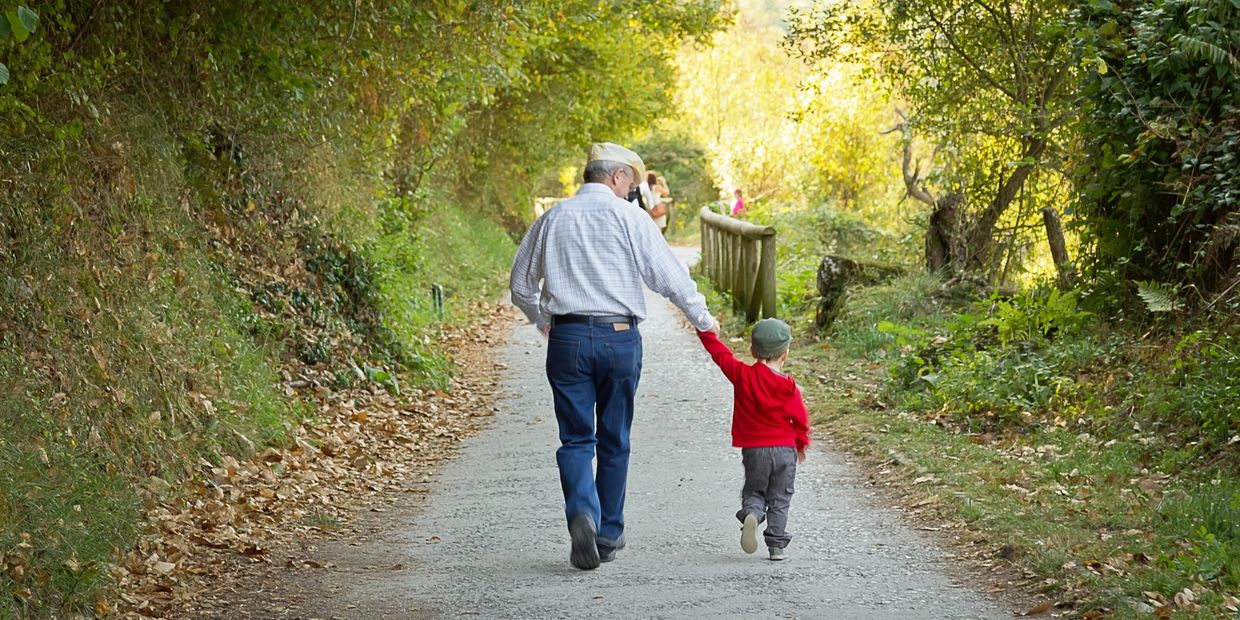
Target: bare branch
(912, 180)
(973, 64)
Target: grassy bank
(158, 323)
(1099, 459)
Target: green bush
(1160, 171)
(1036, 357)
(1198, 389)
(879, 321)
(995, 365)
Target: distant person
(661, 187)
(658, 209)
(579, 275)
(738, 207)
(770, 426)
(642, 196)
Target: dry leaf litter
(363, 446)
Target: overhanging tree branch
(912, 182)
(969, 60)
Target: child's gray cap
(770, 338)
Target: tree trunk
(941, 234)
(983, 232)
(1059, 247)
(836, 274)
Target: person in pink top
(771, 427)
(738, 207)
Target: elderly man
(578, 276)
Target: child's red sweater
(768, 410)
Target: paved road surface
(491, 541)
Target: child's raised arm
(721, 354)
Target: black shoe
(585, 548)
(607, 550)
(606, 554)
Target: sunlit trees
(840, 118)
(734, 98)
(987, 84)
(786, 130)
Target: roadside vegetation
(1100, 459)
(1077, 420)
(215, 216)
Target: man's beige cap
(607, 151)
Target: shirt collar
(596, 188)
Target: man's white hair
(600, 170)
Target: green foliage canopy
(1161, 170)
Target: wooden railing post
(753, 284)
(704, 253)
(766, 275)
(736, 278)
(739, 258)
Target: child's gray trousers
(769, 477)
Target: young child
(770, 426)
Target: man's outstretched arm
(667, 276)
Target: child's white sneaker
(777, 554)
(749, 534)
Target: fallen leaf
(253, 550)
(1231, 603)
(1038, 610)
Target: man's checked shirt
(590, 254)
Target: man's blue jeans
(593, 371)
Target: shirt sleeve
(721, 354)
(525, 280)
(800, 419)
(667, 276)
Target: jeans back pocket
(563, 360)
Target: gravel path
(491, 541)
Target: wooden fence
(739, 258)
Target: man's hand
(545, 330)
(714, 329)
(800, 455)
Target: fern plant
(1204, 50)
(1158, 297)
